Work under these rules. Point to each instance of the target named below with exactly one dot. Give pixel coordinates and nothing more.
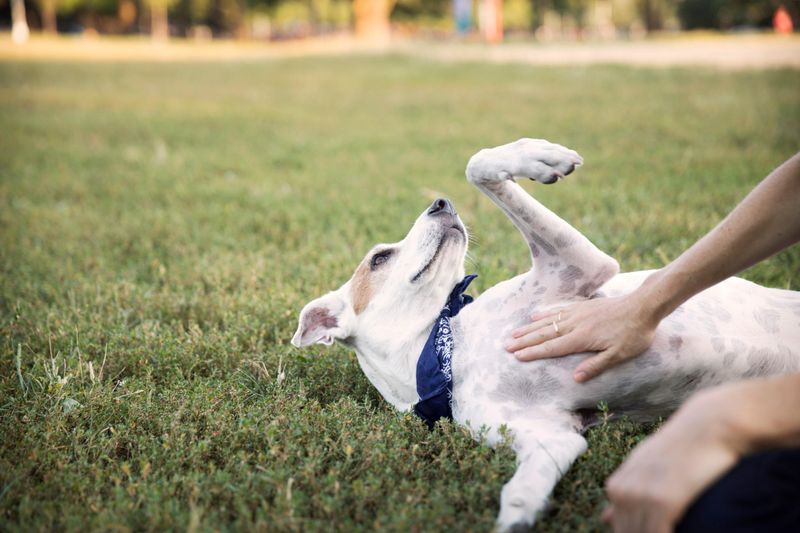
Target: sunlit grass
(162, 225)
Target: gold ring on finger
(555, 327)
(559, 317)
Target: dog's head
(396, 289)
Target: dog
(426, 348)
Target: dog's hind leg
(544, 454)
(558, 250)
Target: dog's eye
(379, 259)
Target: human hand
(653, 488)
(617, 328)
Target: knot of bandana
(434, 373)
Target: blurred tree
(415, 9)
(269, 5)
(48, 11)
(623, 14)
(19, 22)
(537, 14)
(653, 13)
(229, 18)
(574, 9)
(727, 14)
(372, 19)
(191, 14)
(159, 18)
(126, 14)
(577, 9)
(265, 6)
(699, 14)
(517, 15)
(108, 16)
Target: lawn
(161, 225)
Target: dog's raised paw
(535, 159)
(544, 161)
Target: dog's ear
(323, 320)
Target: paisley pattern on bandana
(434, 367)
(444, 347)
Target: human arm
(713, 430)
(765, 222)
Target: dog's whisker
(469, 258)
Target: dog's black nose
(441, 205)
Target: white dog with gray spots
(385, 312)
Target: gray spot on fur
(705, 305)
(791, 361)
(767, 319)
(587, 289)
(563, 240)
(677, 325)
(570, 273)
(712, 308)
(758, 361)
(738, 345)
(494, 305)
(567, 362)
(629, 397)
(788, 302)
(729, 358)
(548, 248)
(708, 324)
(718, 343)
(766, 362)
(687, 384)
(541, 290)
(522, 388)
(647, 360)
(568, 277)
(675, 342)
(722, 314)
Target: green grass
(163, 224)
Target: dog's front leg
(543, 455)
(558, 249)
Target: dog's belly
(732, 331)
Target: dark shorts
(760, 494)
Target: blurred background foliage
(284, 19)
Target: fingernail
(580, 377)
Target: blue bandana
(434, 374)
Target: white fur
(732, 331)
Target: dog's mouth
(455, 230)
